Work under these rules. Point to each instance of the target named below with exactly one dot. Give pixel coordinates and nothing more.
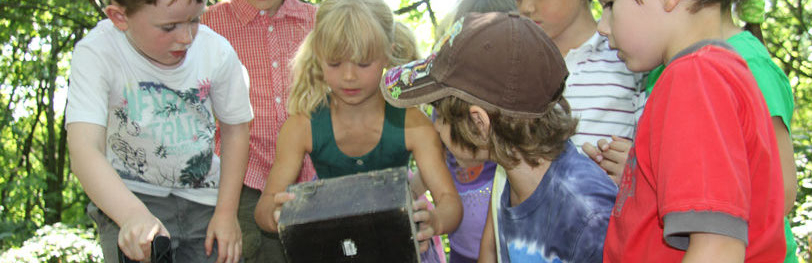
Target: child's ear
(117, 15)
(481, 119)
(669, 5)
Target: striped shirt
(604, 95)
(265, 45)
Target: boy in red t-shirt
(702, 182)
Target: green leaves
(37, 37)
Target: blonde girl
(339, 117)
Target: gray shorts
(257, 245)
(186, 221)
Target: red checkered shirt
(266, 45)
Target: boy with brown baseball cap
(495, 81)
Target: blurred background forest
(42, 204)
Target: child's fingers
(419, 205)
(237, 253)
(282, 197)
(146, 239)
(276, 214)
(209, 242)
(614, 170)
(618, 157)
(222, 251)
(603, 145)
(127, 242)
(424, 246)
(421, 216)
(592, 152)
(620, 144)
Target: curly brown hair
(510, 139)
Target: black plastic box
(365, 217)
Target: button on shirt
(265, 45)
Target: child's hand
(226, 230)
(269, 207)
(424, 220)
(136, 234)
(611, 156)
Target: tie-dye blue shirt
(565, 218)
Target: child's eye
(607, 4)
(169, 27)
(333, 64)
(364, 65)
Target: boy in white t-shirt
(146, 87)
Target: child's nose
(603, 24)
(186, 34)
(349, 71)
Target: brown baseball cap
(493, 60)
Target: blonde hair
(510, 139)
(355, 30)
(405, 46)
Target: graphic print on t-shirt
(164, 136)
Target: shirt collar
(594, 43)
(246, 13)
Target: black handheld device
(161, 251)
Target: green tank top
(331, 162)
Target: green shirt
(331, 162)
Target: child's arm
(291, 146)
(417, 186)
(787, 159)
(102, 184)
(224, 226)
(707, 247)
(424, 143)
(487, 246)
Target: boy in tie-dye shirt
(496, 82)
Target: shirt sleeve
(700, 159)
(230, 99)
(88, 89)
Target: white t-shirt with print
(160, 122)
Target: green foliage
(57, 243)
(787, 34)
(35, 185)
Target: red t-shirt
(704, 160)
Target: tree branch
(95, 4)
(431, 13)
(409, 8)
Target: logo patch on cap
(404, 76)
